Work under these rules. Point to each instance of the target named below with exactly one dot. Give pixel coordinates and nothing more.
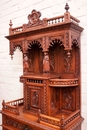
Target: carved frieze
(18, 125)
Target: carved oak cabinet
(51, 74)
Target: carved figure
(25, 64)
(46, 64)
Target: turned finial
(10, 24)
(66, 7)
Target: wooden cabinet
(51, 74)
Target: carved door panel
(35, 98)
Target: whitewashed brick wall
(17, 11)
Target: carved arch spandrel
(30, 43)
(75, 41)
(14, 46)
(58, 40)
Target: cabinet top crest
(36, 25)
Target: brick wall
(17, 11)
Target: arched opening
(35, 56)
(56, 56)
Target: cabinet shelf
(63, 82)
